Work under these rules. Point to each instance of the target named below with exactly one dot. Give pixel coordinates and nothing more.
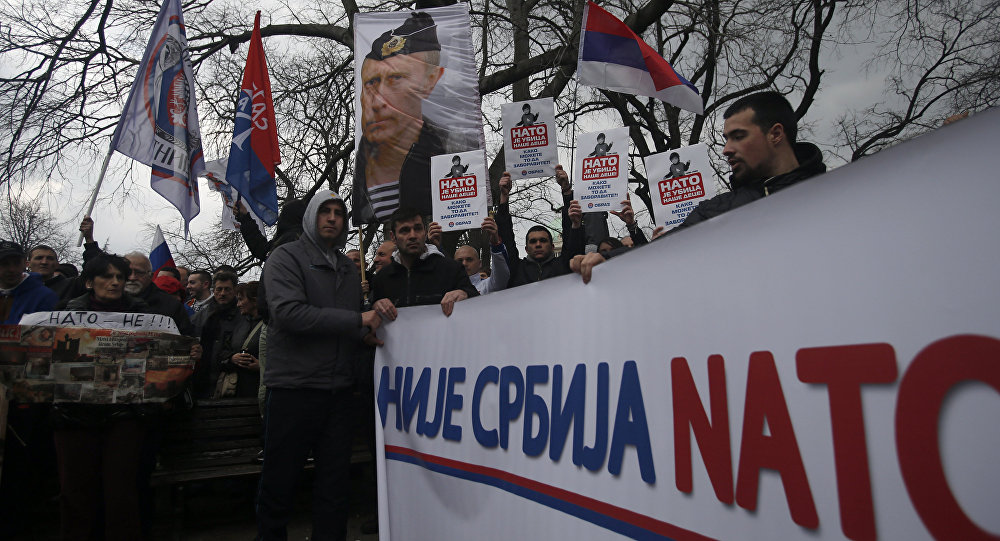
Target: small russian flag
(613, 57)
(159, 255)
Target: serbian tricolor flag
(254, 152)
(613, 57)
(159, 254)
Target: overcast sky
(126, 223)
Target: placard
(679, 179)
(530, 142)
(600, 174)
(459, 190)
(51, 363)
(416, 95)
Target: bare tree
(955, 69)
(70, 64)
(29, 224)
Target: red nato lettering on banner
(779, 451)
(675, 190)
(843, 369)
(522, 137)
(458, 188)
(934, 372)
(712, 437)
(600, 167)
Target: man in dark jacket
(761, 150)
(760, 132)
(44, 260)
(20, 292)
(419, 274)
(215, 324)
(541, 262)
(314, 297)
(140, 285)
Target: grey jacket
(314, 298)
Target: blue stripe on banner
(604, 521)
(601, 47)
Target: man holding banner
(314, 297)
(761, 149)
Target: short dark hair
(405, 214)
(249, 290)
(172, 271)
(612, 241)
(538, 228)
(224, 276)
(205, 275)
(42, 247)
(68, 270)
(99, 264)
(769, 108)
(225, 268)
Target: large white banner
(821, 364)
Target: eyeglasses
(139, 272)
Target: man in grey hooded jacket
(314, 297)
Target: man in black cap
(394, 157)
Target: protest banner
(821, 364)
(530, 142)
(94, 358)
(679, 179)
(459, 192)
(416, 96)
(600, 172)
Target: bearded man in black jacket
(762, 152)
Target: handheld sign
(679, 179)
(103, 320)
(458, 191)
(600, 175)
(530, 144)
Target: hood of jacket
(310, 231)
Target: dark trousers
(295, 422)
(99, 465)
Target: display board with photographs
(41, 363)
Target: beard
(133, 287)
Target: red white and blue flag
(613, 57)
(254, 152)
(159, 254)
(159, 126)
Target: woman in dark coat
(98, 445)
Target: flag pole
(93, 198)
(361, 249)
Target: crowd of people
(302, 339)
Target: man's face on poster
(392, 95)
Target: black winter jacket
(426, 283)
(810, 164)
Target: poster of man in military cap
(416, 96)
